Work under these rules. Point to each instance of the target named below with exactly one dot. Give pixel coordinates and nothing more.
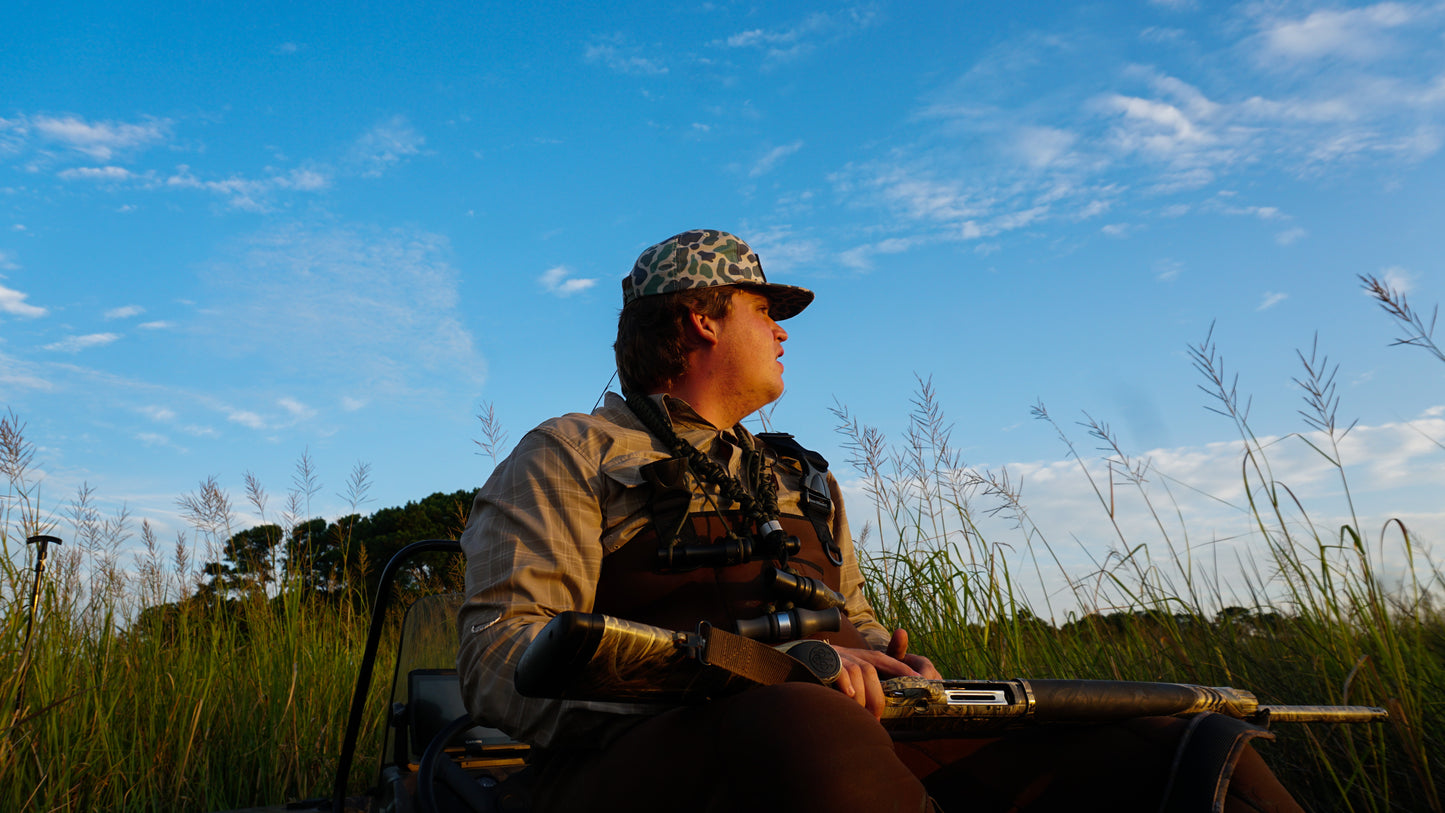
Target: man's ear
(703, 327)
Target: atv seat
(435, 701)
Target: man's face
(749, 346)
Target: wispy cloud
(621, 57)
(246, 418)
(16, 375)
(159, 325)
(389, 301)
(75, 344)
(801, 38)
(1036, 156)
(559, 281)
(1289, 237)
(157, 439)
(100, 140)
(250, 194)
(861, 257)
(13, 302)
(386, 145)
(97, 174)
(1271, 298)
(158, 413)
(766, 164)
(1398, 278)
(1358, 33)
(124, 312)
(297, 410)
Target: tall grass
(142, 694)
(1318, 627)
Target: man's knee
(808, 747)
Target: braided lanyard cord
(762, 510)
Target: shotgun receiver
(589, 656)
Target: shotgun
(590, 656)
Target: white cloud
(789, 42)
(1289, 237)
(158, 413)
(861, 257)
(100, 140)
(1042, 146)
(1399, 279)
(1271, 298)
(1357, 33)
(389, 301)
(377, 150)
(13, 302)
(1261, 212)
(1158, 128)
(351, 404)
(296, 409)
(912, 192)
(75, 344)
(157, 439)
(7, 260)
(622, 58)
(161, 325)
(124, 312)
(246, 418)
(559, 281)
(17, 375)
(776, 154)
(99, 174)
(246, 193)
(1167, 270)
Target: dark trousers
(797, 747)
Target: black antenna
(44, 543)
(604, 391)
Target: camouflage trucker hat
(702, 258)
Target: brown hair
(652, 337)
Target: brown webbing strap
(759, 663)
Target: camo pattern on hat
(703, 258)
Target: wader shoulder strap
(1204, 763)
(813, 497)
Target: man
(661, 508)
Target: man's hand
(865, 669)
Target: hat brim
(784, 301)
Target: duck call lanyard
(762, 510)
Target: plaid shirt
(567, 496)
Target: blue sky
(234, 233)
